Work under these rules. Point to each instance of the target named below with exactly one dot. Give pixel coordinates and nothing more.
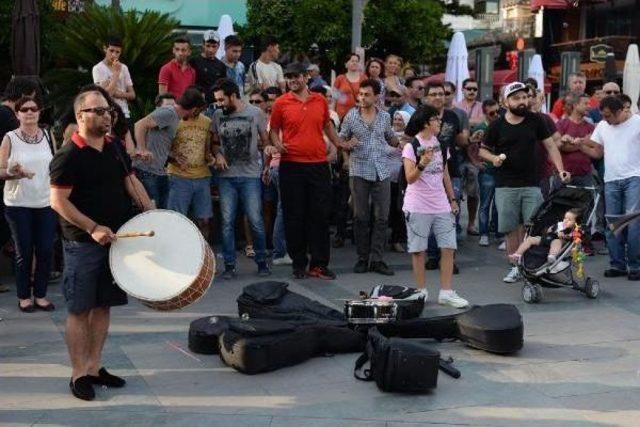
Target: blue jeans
(157, 187)
(487, 213)
(190, 195)
(279, 240)
(623, 197)
(33, 231)
(249, 192)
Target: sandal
(249, 252)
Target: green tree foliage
(410, 28)
(147, 38)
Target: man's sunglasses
(26, 109)
(471, 89)
(447, 93)
(612, 92)
(256, 101)
(99, 111)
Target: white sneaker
(513, 276)
(452, 299)
(502, 246)
(285, 260)
(484, 241)
(424, 292)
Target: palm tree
(147, 38)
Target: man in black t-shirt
(91, 189)
(209, 69)
(510, 144)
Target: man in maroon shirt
(177, 75)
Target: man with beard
(92, 187)
(510, 145)
(305, 178)
(239, 134)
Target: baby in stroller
(555, 237)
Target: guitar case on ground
(204, 333)
(495, 328)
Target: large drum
(167, 271)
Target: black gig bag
(398, 365)
(204, 334)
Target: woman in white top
(25, 155)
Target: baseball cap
(313, 67)
(514, 87)
(211, 36)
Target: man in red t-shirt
(305, 180)
(577, 85)
(177, 75)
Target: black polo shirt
(208, 72)
(97, 183)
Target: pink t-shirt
(427, 194)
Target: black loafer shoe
(299, 274)
(362, 266)
(48, 307)
(82, 388)
(614, 272)
(381, 267)
(105, 378)
(634, 275)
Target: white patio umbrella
(537, 72)
(225, 28)
(457, 68)
(631, 76)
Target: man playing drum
(91, 189)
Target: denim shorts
(87, 280)
(420, 225)
(190, 195)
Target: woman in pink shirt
(429, 202)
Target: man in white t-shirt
(617, 137)
(114, 76)
(265, 72)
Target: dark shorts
(87, 281)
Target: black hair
(377, 61)
(120, 127)
(273, 90)
(182, 39)
(349, 56)
(228, 87)
(613, 103)
(232, 40)
(113, 41)
(625, 99)
(267, 42)
(191, 98)
(410, 80)
(437, 85)
(262, 94)
(451, 85)
(163, 96)
(488, 103)
(469, 80)
(24, 99)
(419, 119)
(578, 213)
(531, 82)
(373, 84)
(20, 86)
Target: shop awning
(551, 4)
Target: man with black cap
(305, 179)
(209, 69)
(510, 145)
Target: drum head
(157, 268)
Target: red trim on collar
(81, 143)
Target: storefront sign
(598, 53)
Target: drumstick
(136, 234)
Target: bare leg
(528, 242)
(555, 247)
(417, 260)
(513, 239)
(446, 268)
(78, 342)
(98, 328)
(247, 231)
(472, 208)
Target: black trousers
(305, 190)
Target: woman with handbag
(25, 154)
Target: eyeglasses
(448, 93)
(26, 109)
(612, 92)
(492, 113)
(471, 89)
(99, 111)
(436, 95)
(256, 101)
(419, 88)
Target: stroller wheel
(531, 294)
(591, 288)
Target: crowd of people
(386, 157)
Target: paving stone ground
(579, 365)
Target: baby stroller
(534, 267)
